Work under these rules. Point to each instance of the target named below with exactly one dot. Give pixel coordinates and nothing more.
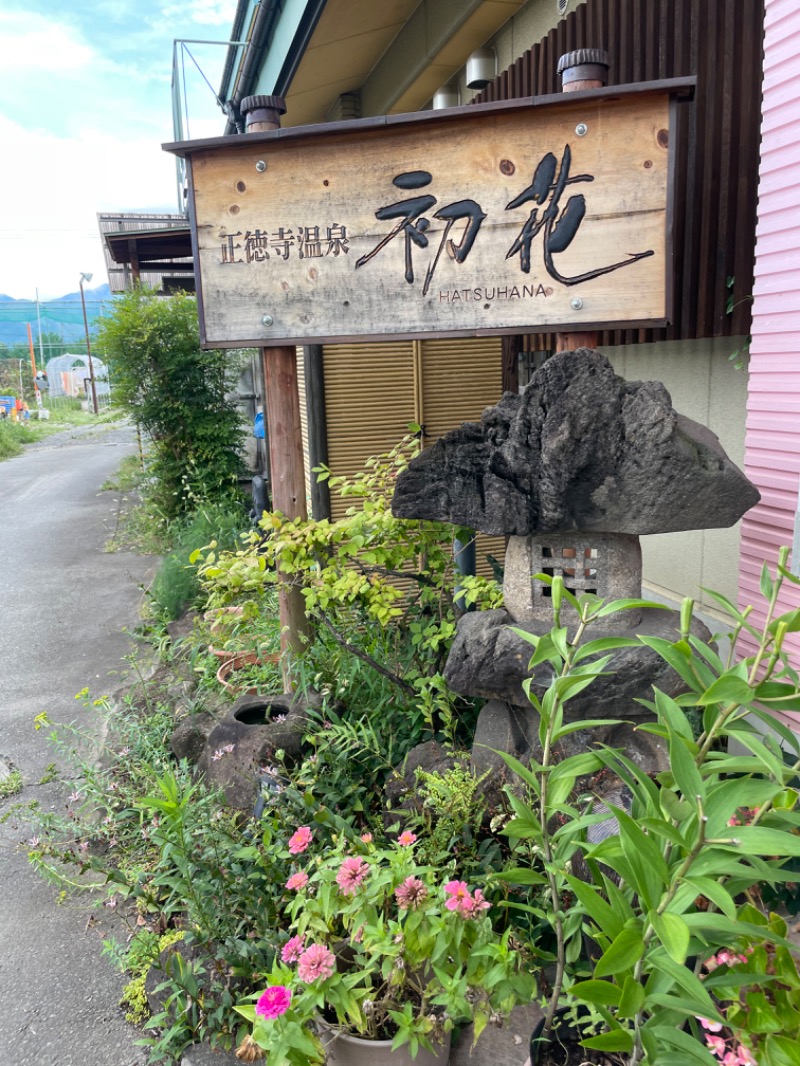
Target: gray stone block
(205, 1055)
(504, 1046)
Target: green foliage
(176, 393)
(709, 831)
(10, 785)
(175, 586)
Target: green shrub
(177, 394)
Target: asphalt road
(63, 606)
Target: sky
(85, 104)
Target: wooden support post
(512, 346)
(585, 69)
(282, 418)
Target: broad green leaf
(576, 765)
(604, 644)
(672, 715)
(528, 776)
(755, 840)
(625, 951)
(713, 891)
(603, 993)
(685, 979)
(613, 1040)
(678, 662)
(779, 1051)
(692, 1049)
(629, 604)
(632, 999)
(601, 913)
(766, 583)
(673, 807)
(673, 933)
(520, 875)
(687, 776)
(727, 689)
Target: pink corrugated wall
(773, 410)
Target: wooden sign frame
(547, 213)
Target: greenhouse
(67, 373)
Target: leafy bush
(176, 393)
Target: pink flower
(410, 894)
(366, 838)
(274, 1002)
(457, 891)
(292, 949)
(406, 838)
(315, 962)
(745, 1058)
(716, 1045)
(471, 907)
(351, 874)
(297, 880)
(300, 840)
(712, 1027)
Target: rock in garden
(488, 659)
(189, 739)
(580, 449)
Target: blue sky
(84, 108)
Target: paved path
(63, 605)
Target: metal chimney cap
(583, 57)
(255, 103)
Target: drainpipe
(262, 25)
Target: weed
(10, 785)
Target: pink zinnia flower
(274, 1002)
(351, 874)
(457, 891)
(406, 838)
(472, 906)
(410, 894)
(292, 949)
(315, 962)
(300, 840)
(298, 880)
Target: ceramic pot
(227, 671)
(541, 1049)
(344, 1050)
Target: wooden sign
(509, 218)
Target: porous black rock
(488, 659)
(580, 449)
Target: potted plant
(383, 956)
(666, 888)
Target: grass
(11, 785)
(15, 435)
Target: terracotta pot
(236, 662)
(345, 1050)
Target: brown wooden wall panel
(717, 139)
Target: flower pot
(227, 671)
(342, 1049)
(562, 1047)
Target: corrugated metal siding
(716, 138)
(773, 423)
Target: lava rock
(190, 737)
(502, 727)
(488, 659)
(580, 449)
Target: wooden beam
(282, 416)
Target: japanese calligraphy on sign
(511, 220)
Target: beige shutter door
(459, 379)
(369, 403)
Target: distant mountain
(60, 315)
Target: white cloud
(206, 12)
(31, 43)
(49, 197)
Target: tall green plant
(176, 393)
(666, 888)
